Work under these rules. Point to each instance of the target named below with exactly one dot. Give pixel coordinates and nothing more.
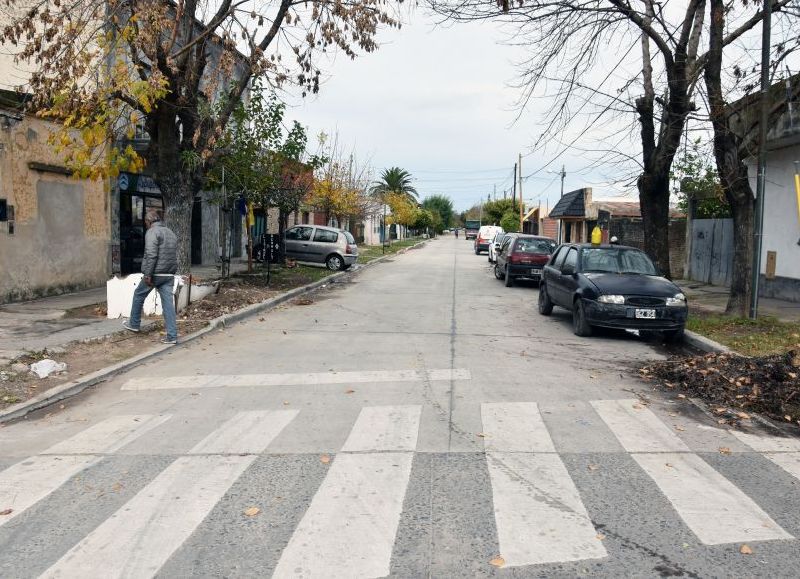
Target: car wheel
(545, 305)
(476, 251)
(509, 279)
(674, 336)
(489, 257)
(497, 273)
(334, 262)
(579, 324)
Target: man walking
(159, 265)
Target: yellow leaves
(325, 459)
(251, 511)
(745, 550)
(498, 561)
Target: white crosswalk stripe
(300, 379)
(141, 536)
(783, 451)
(710, 505)
(538, 511)
(350, 527)
(24, 484)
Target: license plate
(536, 272)
(646, 314)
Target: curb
(69, 389)
(704, 344)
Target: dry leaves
(349, 391)
(498, 561)
(745, 550)
(251, 511)
(5, 512)
(637, 407)
(593, 466)
(325, 459)
(600, 536)
(679, 428)
(724, 450)
(481, 435)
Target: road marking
(637, 428)
(538, 511)
(247, 432)
(385, 429)
(710, 505)
(350, 528)
(302, 379)
(515, 427)
(139, 538)
(768, 443)
(25, 483)
(109, 435)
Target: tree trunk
(654, 203)
(728, 153)
(178, 193)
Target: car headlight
(611, 299)
(677, 300)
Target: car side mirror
(568, 270)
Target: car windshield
(538, 246)
(616, 260)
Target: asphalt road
(418, 420)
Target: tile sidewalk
(713, 299)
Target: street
(416, 420)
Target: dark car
(522, 256)
(612, 286)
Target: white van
(485, 236)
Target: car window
(299, 233)
(536, 246)
(616, 260)
(325, 236)
(570, 259)
(349, 237)
(506, 242)
(559, 259)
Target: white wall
(781, 221)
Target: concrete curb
(75, 387)
(704, 344)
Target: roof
(631, 209)
(570, 205)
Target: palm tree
(394, 180)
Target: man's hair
(152, 216)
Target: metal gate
(711, 252)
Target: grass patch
(367, 253)
(758, 337)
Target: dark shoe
(172, 341)
(130, 328)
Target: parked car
(522, 256)
(335, 248)
(484, 237)
(612, 286)
(495, 245)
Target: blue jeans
(163, 283)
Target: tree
(443, 206)
(694, 177)
(495, 211)
(510, 222)
(569, 54)
(394, 181)
(102, 66)
(732, 146)
(404, 211)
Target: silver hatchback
(335, 248)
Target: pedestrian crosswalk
(350, 526)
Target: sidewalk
(39, 324)
(713, 299)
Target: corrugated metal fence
(711, 253)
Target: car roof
(602, 246)
(531, 236)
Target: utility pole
(519, 165)
(758, 233)
(514, 190)
(563, 175)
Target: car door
(322, 244)
(568, 281)
(297, 241)
(552, 272)
(502, 255)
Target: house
(577, 215)
(54, 229)
(538, 222)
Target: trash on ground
(43, 368)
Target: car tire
(334, 262)
(509, 278)
(673, 336)
(477, 251)
(579, 324)
(489, 257)
(545, 305)
(497, 273)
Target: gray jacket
(160, 251)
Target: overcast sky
(436, 101)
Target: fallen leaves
(600, 536)
(745, 550)
(325, 459)
(593, 466)
(251, 511)
(637, 407)
(498, 561)
(6, 512)
(349, 391)
(724, 450)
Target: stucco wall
(781, 222)
(62, 226)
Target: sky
(437, 101)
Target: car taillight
(514, 258)
(351, 248)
